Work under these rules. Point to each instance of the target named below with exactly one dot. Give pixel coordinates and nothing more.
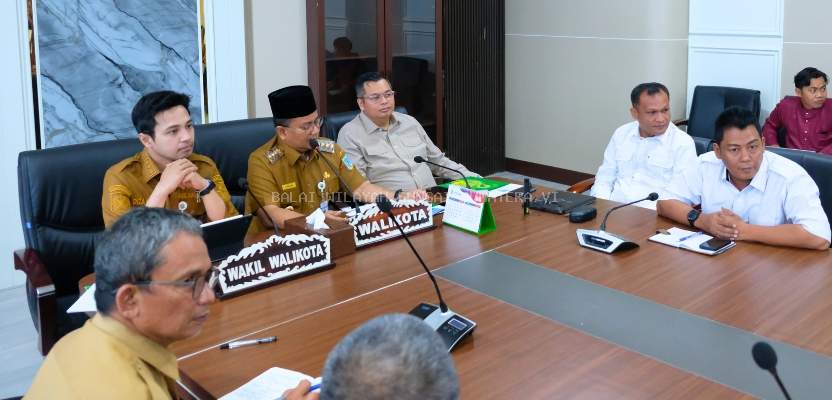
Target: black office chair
(709, 101)
(231, 155)
(819, 167)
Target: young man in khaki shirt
(167, 173)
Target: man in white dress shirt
(644, 155)
(748, 193)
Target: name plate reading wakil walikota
(373, 226)
(272, 260)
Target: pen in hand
(311, 389)
(242, 343)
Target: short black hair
(734, 117)
(650, 87)
(805, 76)
(371, 76)
(145, 110)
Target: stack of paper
(269, 385)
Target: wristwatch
(207, 189)
(693, 215)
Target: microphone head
(653, 196)
(383, 203)
(243, 183)
(418, 159)
(764, 356)
(313, 144)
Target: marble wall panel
(98, 57)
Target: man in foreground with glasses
(806, 117)
(153, 287)
(383, 143)
(290, 178)
(747, 193)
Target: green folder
(476, 183)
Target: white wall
(16, 128)
(727, 49)
(276, 49)
(225, 43)
(807, 39)
(570, 67)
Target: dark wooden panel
(512, 354)
(474, 56)
(367, 269)
(777, 292)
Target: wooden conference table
(522, 352)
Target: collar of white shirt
(760, 178)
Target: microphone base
(603, 241)
(450, 326)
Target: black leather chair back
(819, 167)
(334, 122)
(60, 204)
(229, 144)
(709, 101)
(703, 145)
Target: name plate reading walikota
(373, 226)
(271, 261)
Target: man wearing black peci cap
(290, 178)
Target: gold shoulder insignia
(326, 145)
(274, 154)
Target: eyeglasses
(197, 283)
(375, 98)
(309, 126)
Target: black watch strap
(211, 186)
(693, 215)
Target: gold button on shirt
(279, 175)
(105, 360)
(130, 182)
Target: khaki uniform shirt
(105, 360)
(279, 175)
(130, 182)
(385, 157)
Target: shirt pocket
(414, 146)
(660, 165)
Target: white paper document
(688, 240)
(85, 303)
(269, 385)
(503, 190)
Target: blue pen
(692, 235)
(311, 389)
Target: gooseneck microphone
(243, 183)
(652, 197)
(419, 160)
(450, 326)
(604, 241)
(766, 359)
(386, 207)
(314, 145)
